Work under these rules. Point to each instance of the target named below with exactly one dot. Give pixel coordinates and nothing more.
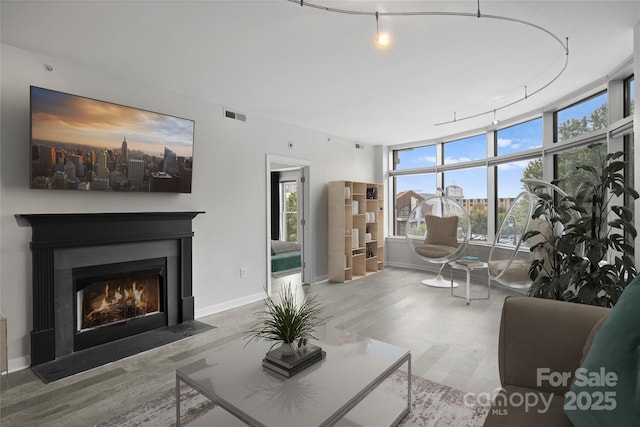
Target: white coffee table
(339, 390)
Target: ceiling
(322, 71)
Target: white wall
(229, 184)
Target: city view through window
(418, 172)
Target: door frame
(274, 162)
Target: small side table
(469, 268)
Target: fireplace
(100, 278)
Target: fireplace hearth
(99, 279)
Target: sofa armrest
(539, 333)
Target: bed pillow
(613, 362)
(441, 231)
(279, 246)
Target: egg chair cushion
(544, 227)
(540, 253)
(516, 272)
(441, 230)
(434, 251)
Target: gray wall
(229, 183)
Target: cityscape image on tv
(83, 144)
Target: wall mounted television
(84, 144)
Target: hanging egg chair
(511, 257)
(437, 230)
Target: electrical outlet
(243, 273)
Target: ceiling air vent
(229, 114)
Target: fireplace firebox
(114, 301)
(103, 302)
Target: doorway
(288, 222)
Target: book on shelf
(289, 362)
(289, 372)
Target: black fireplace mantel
(51, 232)
(59, 230)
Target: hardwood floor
(450, 342)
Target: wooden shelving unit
(356, 229)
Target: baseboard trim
(228, 305)
(320, 279)
(412, 266)
(19, 363)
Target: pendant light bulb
(382, 39)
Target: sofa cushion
(539, 333)
(614, 361)
(589, 342)
(542, 409)
(441, 231)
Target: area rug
(432, 404)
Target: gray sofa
(538, 333)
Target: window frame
(614, 130)
(628, 99)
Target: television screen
(83, 144)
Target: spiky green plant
(287, 321)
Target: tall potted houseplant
(590, 254)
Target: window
(629, 95)
(565, 165)
(509, 182)
(581, 118)
(464, 150)
(629, 169)
(289, 211)
(520, 137)
(465, 168)
(414, 158)
(469, 188)
(409, 190)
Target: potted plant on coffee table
(288, 322)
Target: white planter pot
(288, 349)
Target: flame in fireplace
(137, 293)
(105, 303)
(134, 295)
(122, 304)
